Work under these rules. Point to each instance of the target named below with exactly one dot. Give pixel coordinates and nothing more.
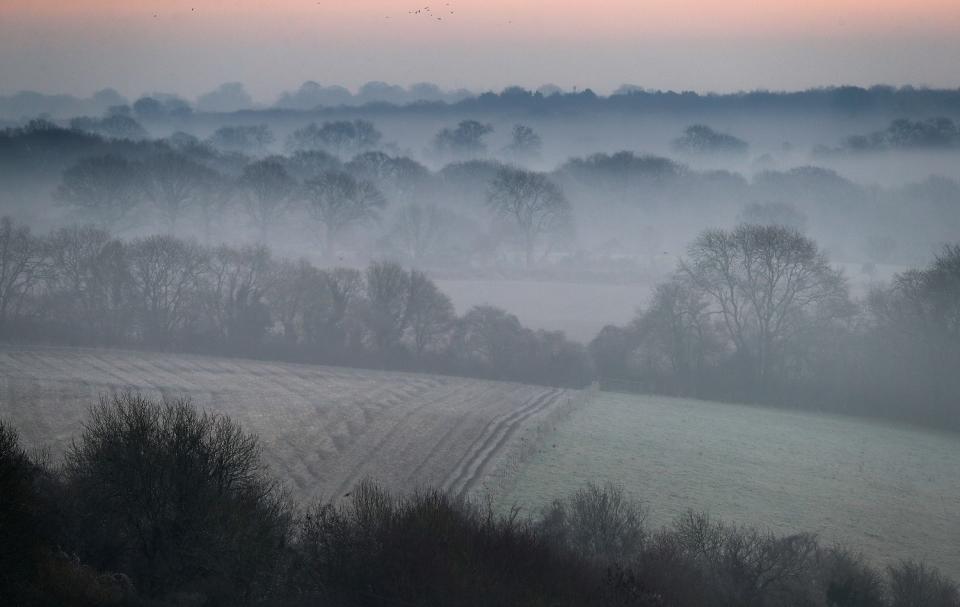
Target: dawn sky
(189, 47)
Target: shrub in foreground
(177, 500)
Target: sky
(191, 46)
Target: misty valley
(416, 346)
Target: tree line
(384, 98)
(752, 314)
(160, 505)
(758, 314)
(340, 187)
(81, 286)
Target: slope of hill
(323, 428)
(890, 490)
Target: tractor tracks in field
(495, 435)
(356, 471)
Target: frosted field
(323, 428)
(890, 491)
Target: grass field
(323, 428)
(890, 491)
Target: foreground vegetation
(162, 505)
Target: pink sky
(190, 46)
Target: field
(323, 428)
(890, 491)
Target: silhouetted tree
(491, 341)
(345, 286)
(339, 137)
(174, 184)
(464, 140)
(400, 178)
(766, 283)
(21, 256)
(166, 275)
(339, 201)
(266, 189)
(300, 300)
(700, 138)
(676, 337)
(88, 284)
(429, 315)
(387, 299)
(524, 142)
(106, 189)
(234, 286)
(532, 204)
(178, 500)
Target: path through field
(323, 428)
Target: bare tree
(400, 178)
(88, 282)
(345, 286)
(676, 334)
(464, 140)
(338, 201)
(174, 184)
(105, 189)
(181, 496)
(533, 204)
(266, 187)
(20, 262)
(524, 142)
(429, 314)
(235, 284)
(766, 283)
(165, 274)
(300, 299)
(388, 294)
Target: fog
(470, 277)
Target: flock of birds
(426, 12)
(431, 14)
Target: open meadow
(323, 428)
(891, 491)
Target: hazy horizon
(191, 47)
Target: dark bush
(177, 500)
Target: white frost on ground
(323, 428)
(888, 490)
